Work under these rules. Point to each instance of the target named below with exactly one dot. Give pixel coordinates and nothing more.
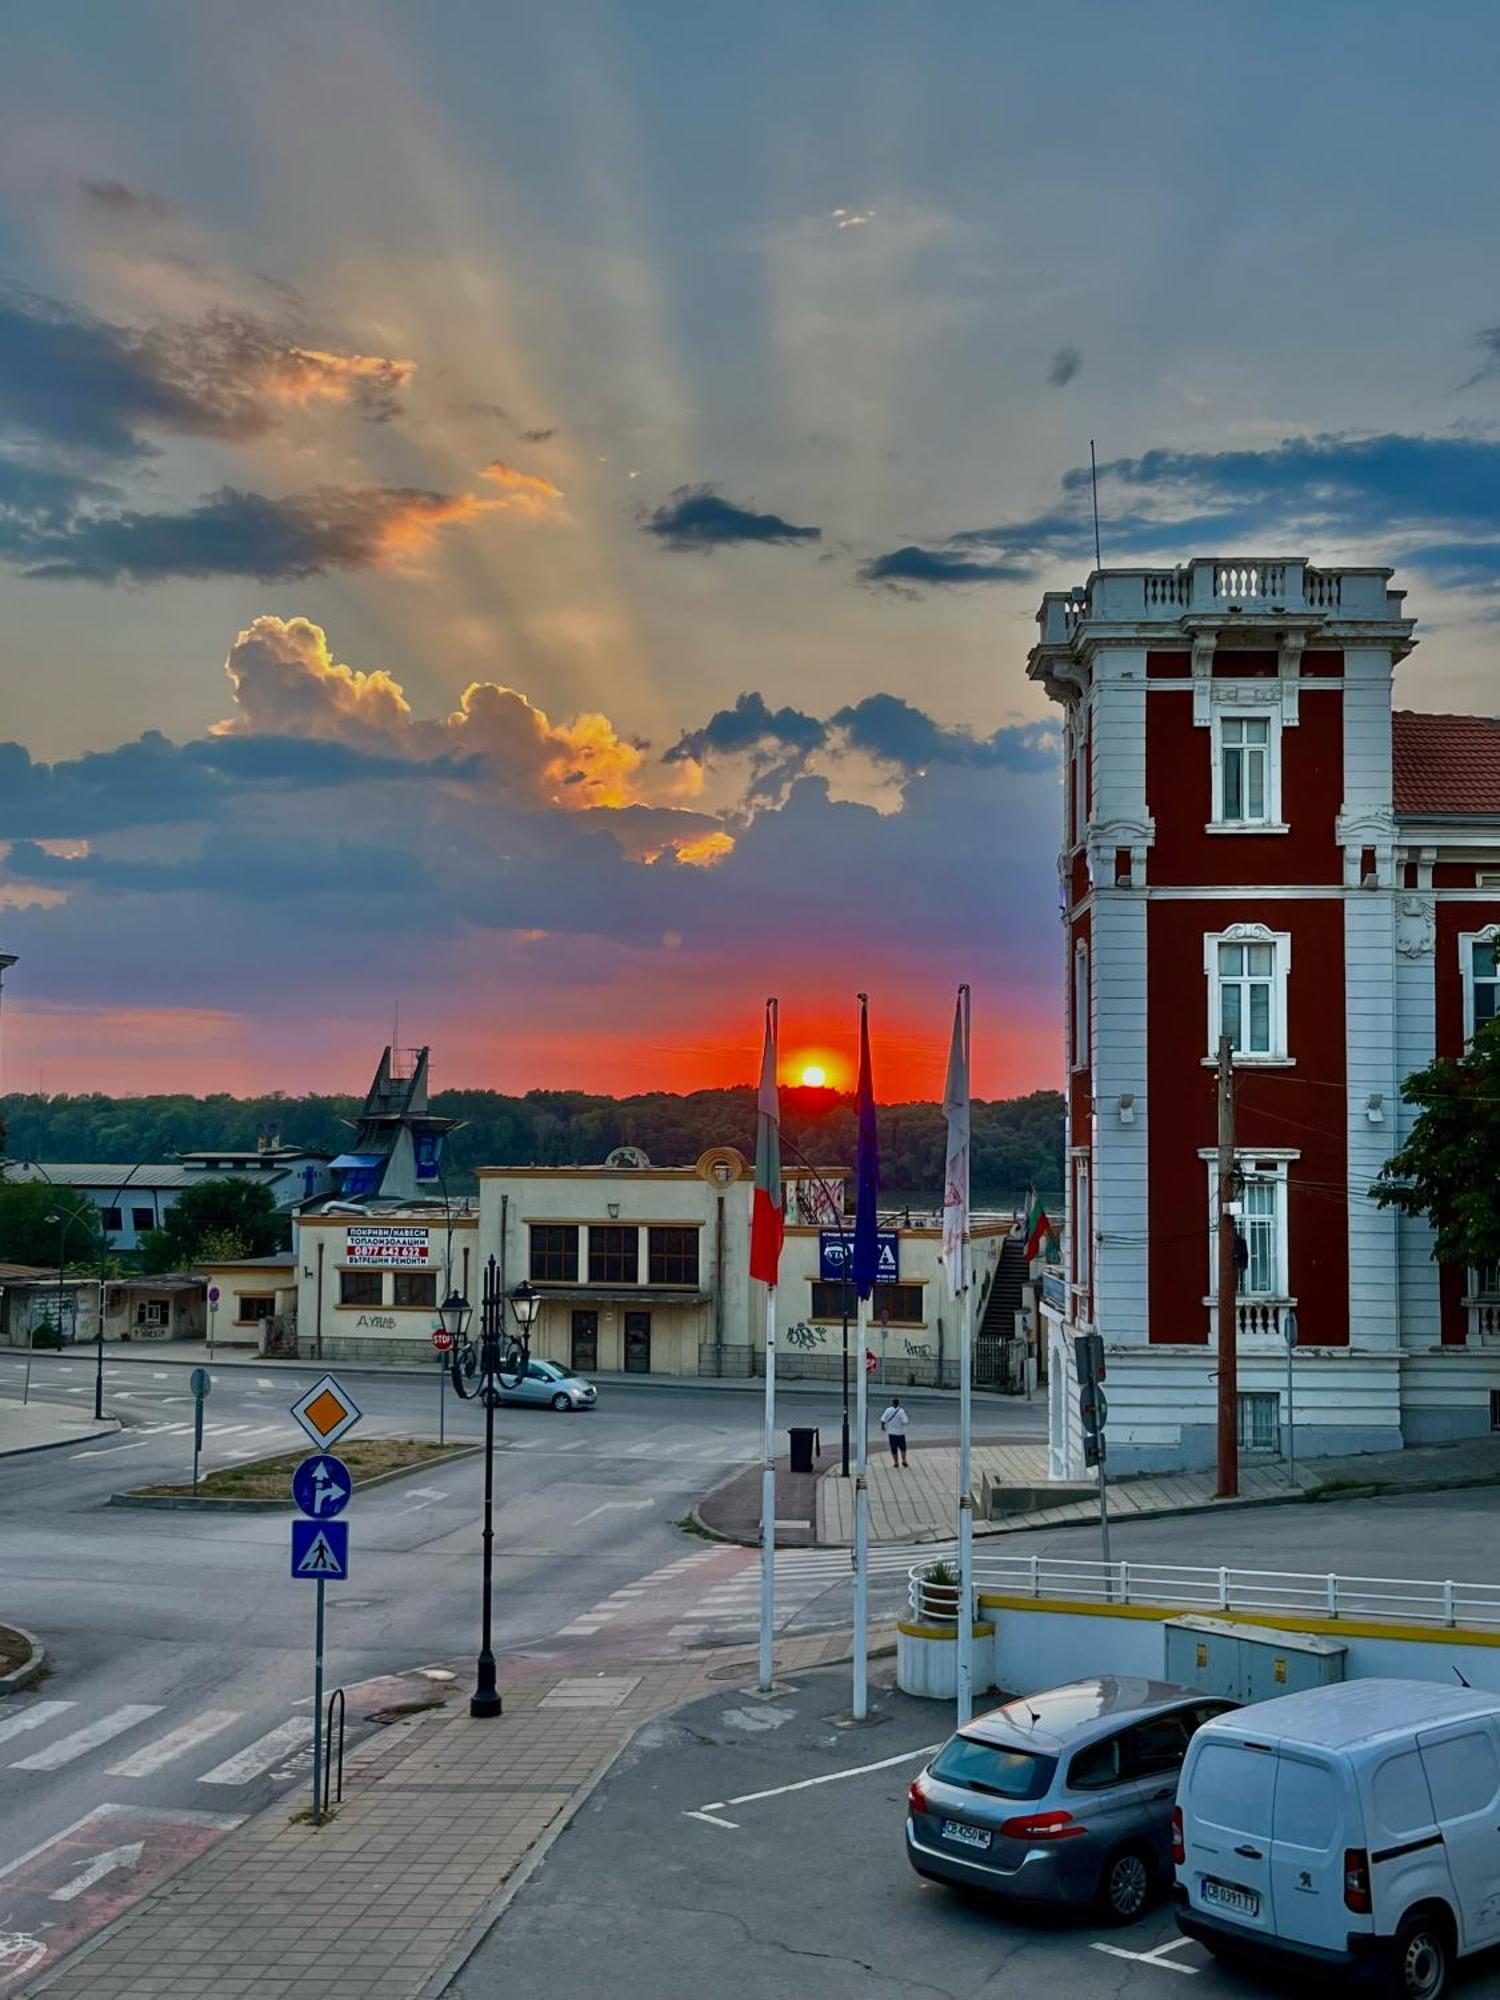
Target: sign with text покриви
(836, 1248)
(392, 1246)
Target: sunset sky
(527, 518)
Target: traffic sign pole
(200, 1386)
(318, 1710)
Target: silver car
(1063, 1797)
(547, 1384)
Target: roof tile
(1445, 763)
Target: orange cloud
(706, 850)
(301, 374)
(522, 492)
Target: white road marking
(33, 1717)
(610, 1506)
(83, 1740)
(826, 1778)
(128, 1856)
(1157, 1956)
(108, 1450)
(174, 1743)
(714, 1820)
(158, 1815)
(259, 1756)
(264, 1382)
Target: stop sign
(869, 1361)
(442, 1339)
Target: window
(1101, 1764)
(1081, 1224)
(1462, 1773)
(415, 1288)
(1260, 1422)
(1308, 1804)
(142, 1218)
(672, 1256)
(1159, 1744)
(902, 1305)
(1246, 775)
(1260, 1227)
(554, 1253)
(1081, 1004)
(1481, 976)
(151, 1312)
(1080, 775)
(361, 1288)
(1247, 969)
(256, 1306)
(111, 1218)
(993, 1768)
(614, 1255)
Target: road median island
(21, 1659)
(264, 1485)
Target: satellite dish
(627, 1156)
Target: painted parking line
(1158, 1955)
(715, 1807)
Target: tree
(41, 1223)
(1449, 1168)
(221, 1218)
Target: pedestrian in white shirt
(893, 1421)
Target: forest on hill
(1016, 1142)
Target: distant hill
(1016, 1140)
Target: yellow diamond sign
(326, 1412)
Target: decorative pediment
(1247, 934)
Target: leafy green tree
(1449, 1168)
(43, 1224)
(216, 1218)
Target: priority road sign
(326, 1412)
(320, 1550)
(321, 1486)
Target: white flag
(956, 1169)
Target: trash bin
(805, 1448)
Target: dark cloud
(890, 729)
(539, 436)
(1066, 363)
(274, 870)
(749, 725)
(699, 517)
(1487, 340)
(913, 566)
(230, 533)
(115, 198)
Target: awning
(359, 1160)
(599, 1295)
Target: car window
(993, 1768)
(537, 1371)
(1461, 1773)
(1307, 1804)
(1232, 1786)
(1159, 1744)
(1098, 1765)
(1399, 1794)
(1206, 1711)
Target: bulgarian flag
(1038, 1227)
(767, 1215)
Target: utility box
(1248, 1662)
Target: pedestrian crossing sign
(326, 1412)
(320, 1550)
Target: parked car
(545, 1383)
(1063, 1797)
(1356, 1825)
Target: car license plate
(965, 1836)
(1230, 1896)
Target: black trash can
(805, 1449)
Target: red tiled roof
(1445, 763)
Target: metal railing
(327, 1788)
(1401, 1600)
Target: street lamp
(454, 1315)
(65, 1222)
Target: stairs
(998, 1326)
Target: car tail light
(916, 1798)
(1357, 1880)
(1043, 1826)
(1179, 1851)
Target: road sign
(869, 1361)
(213, 1295)
(326, 1412)
(1093, 1407)
(320, 1551)
(442, 1339)
(322, 1486)
(201, 1383)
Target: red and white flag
(956, 1168)
(767, 1216)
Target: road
(178, 1700)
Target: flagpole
(862, 1525)
(966, 1431)
(768, 1506)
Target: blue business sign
(835, 1248)
(320, 1550)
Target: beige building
(256, 1304)
(369, 1277)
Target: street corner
(64, 1891)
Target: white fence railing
(1400, 1600)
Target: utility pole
(1229, 1462)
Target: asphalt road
(791, 1887)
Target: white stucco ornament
(1416, 926)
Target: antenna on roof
(1094, 481)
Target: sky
(520, 526)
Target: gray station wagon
(1064, 1797)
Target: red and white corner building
(1255, 843)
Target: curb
(114, 1424)
(171, 1503)
(29, 1671)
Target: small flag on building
(767, 1214)
(1039, 1230)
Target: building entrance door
(585, 1355)
(637, 1343)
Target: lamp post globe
(454, 1315)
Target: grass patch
(14, 1650)
(270, 1478)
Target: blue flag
(865, 1259)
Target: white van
(1355, 1825)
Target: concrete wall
(380, 1331)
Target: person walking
(893, 1421)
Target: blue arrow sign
(321, 1486)
(320, 1550)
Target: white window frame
(1082, 1224)
(1082, 1040)
(1271, 821)
(1281, 965)
(1466, 942)
(1262, 1167)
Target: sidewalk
(46, 1426)
(442, 1819)
(919, 1504)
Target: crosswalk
(730, 1609)
(69, 1736)
(251, 1440)
(634, 1595)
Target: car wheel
(561, 1402)
(1125, 1886)
(1422, 1957)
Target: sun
(815, 1076)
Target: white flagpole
(862, 1525)
(966, 1442)
(768, 1505)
